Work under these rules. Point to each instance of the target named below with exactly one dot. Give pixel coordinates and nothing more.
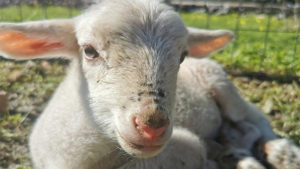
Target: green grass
(249, 52)
(35, 13)
(28, 93)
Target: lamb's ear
(205, 42)
(38, 39)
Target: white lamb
(118, 104)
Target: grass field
(30, 84)
(250, 53)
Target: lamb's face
(130, 61)
(130, 51)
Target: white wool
(140, 44)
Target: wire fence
(280, 9)
(273, 10)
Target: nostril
(149, 132)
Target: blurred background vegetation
(263, 62)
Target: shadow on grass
(280, 78)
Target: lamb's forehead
(136, 19)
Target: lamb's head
(130, 53)
(131, 64)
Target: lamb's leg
(246, 163)
(238, 158)
(239, 133)
(238, 139)
(211, 77)
(236, 108)
(282, 154)
(184, 151)
(249, 163)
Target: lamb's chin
(140, 151)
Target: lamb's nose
(151, 123)
(150, 132)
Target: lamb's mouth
(144, 148)
(148, 148)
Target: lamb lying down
(130, 98)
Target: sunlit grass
(27, 13)
(275, 52)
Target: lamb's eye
(183, 55)
(90, 52)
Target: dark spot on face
(156, 101)
(152, 93)
(140, 93)
(147, 84)
(123, 107)
(132, 99)
(139, 99)
(98, 81)
(161, 93)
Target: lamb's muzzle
(147, 131)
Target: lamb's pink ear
(38, 39)
(205, 42)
